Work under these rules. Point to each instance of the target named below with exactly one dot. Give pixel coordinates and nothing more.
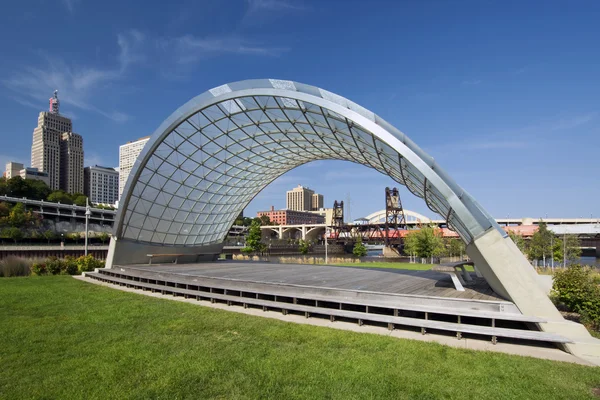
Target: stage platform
(399, 299)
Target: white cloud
(190, 49)
(274, 5)
(70, 4)
(76, 84)
(573, 122)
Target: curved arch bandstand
(213, 155)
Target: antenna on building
(54, 103)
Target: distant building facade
(57, 151)
(292, 217)
(316, 202)
(101, 185)
(128, 153)
(17, 169)
(326, 213)
(303, 199)
(71, 163)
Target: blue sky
(505, 95)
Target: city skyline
(507, 105)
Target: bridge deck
(379, 280)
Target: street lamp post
(326, 232)
(552, 251)
(87, 217)
(565, 249)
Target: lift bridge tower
(394, 215)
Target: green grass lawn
(65, 339)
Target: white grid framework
(216, 153)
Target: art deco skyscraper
(57, 150)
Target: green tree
(303, 246)
(572, 245)
(247, 221)
(264, 220)
(37, 190)
(60, 196)
(50, 235)
(540, 245)
(410, 244)
(75, 236)
(13, 233)
(103, 236)
(253, 241)
(359, 250)
(4, 211)
(518, 240)
(3, 186)
(454, 247)
(426, 242)
(80, 200)
(17, 215)
(16, 187)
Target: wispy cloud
(70, 4)
(32, 85)
(573, 122)
(260, 11)
(274, 5)
(92, 158)
(471, 82)
(191, 49)
(518, 138)
(493, 145)
(76, 84)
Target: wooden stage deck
(380, 280)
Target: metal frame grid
(202, 171)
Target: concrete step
(391, 320)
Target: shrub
(14, 266)
(69, 266)
(88, 263)
(575, 288)
(53, 265)
(39, 268)
(359, 249)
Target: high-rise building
(299, 198)
(17, 169)
(316, 202)
(101, 184)
(303, 199)
(13, 169)
(128, 153)
(71, 163)
(57, 151)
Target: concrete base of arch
(510, 275)
(124, 252)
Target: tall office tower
(317, 202)
(71, 163)
(299, 198)
(53, 145)
(101, 184)
(128, 153)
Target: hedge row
(66, 266)
(576, 287)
